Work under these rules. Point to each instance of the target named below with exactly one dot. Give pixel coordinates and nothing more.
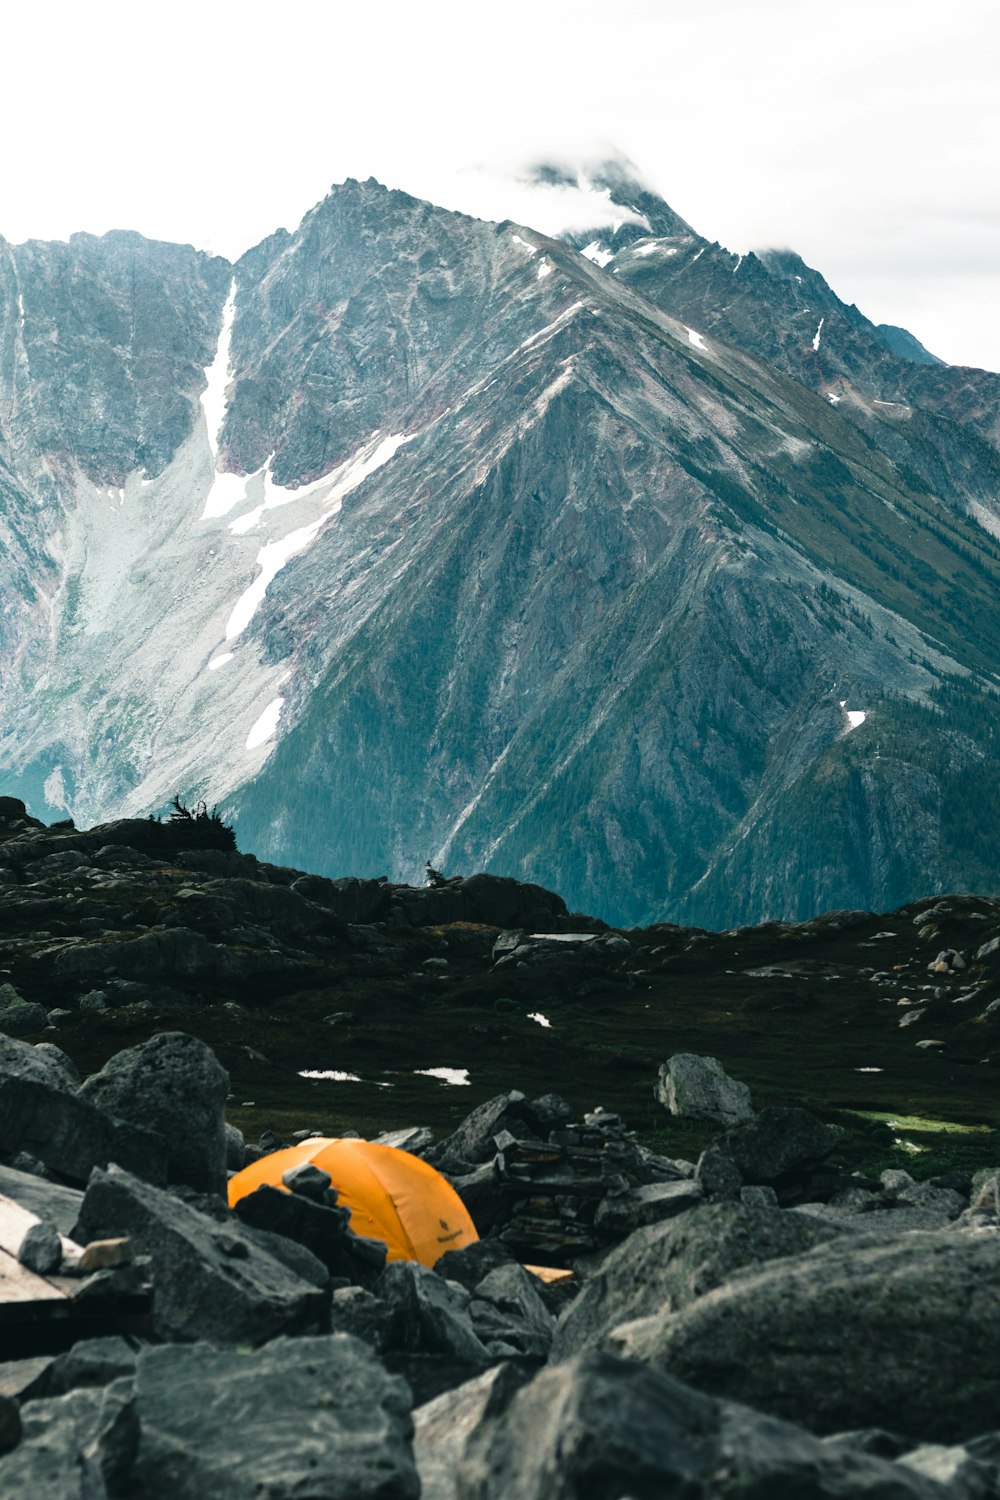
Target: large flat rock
(313, 1417)
(904, 1336)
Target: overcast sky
(865, 134)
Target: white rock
(699, 1088)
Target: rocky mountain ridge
(361, 1002)
(413, 537)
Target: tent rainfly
(393, 1196)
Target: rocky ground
(329, 1001)
(775, 1293)
(754, 1323)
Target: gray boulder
(508, 1313)
(40, 1249)
(62, 1066)
(350, 899)
(775, 1142)
(42, 1063)
(212, 1279)
(309, 1181)
(430, 1315)
(985, 1195)
(484, 1196)
(235, 1148)
(173, 1084)
(415, 1139)
(71, 1136)
(20, 1017)
(357, 1311)
(668, 1266)
(22, 1380)
(904, 1335)
(310, 1417)
(177, 954)
(599, 1426)
(699, 1088)
(474, 1141)
(469, 1265)
(10, 1422)
(444, 1426)
(81, 1446)
(900, 1188)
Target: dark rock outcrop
(904, 1335)
(212, 1279)
(42, 1063)
(81, 1446)
(599, 1425)
(767, 1149)
(18, 1017)
(71, 1135)
(174, 1085)
(665, 1268)
(306, 1416)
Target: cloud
(866, 136)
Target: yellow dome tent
(393, 1196)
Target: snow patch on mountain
(653, 247)
(266, 725)
(271, 558)
(214, 397)
(227, 489)
(855, 716)
(457, 1077)
(331, 491)
(598, 253)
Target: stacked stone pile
(772, 1326)
(552, 1192)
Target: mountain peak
(601, 192)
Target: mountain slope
(940, 424)
(472, 552)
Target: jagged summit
(605, 196)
